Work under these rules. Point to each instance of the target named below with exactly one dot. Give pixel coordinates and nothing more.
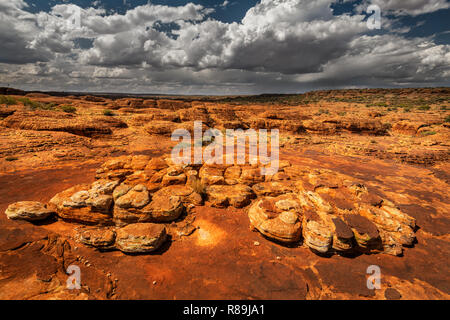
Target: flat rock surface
(210, 253)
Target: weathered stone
(169, 180)
(164, 208)
(222, 196)
(140, 238)
(137, 197)
(212, 175)
(317, 236)
(78, 211)
(28, 210)
(272, 189)
(366, 233)
(277, 218)
(100, 238)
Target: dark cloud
(279, 46)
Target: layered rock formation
(134, 196)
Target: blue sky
(222, 47)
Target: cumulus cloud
(279, 46)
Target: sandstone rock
(140, 238)
(104, 186)
(212, 175)
(408, 127)
(317, 235)
(222, 196)
(232, 175)
(160, 127)
(169, 180)
(277, 218)
(28, 210)
(72, 205)
(251, 176)
(272, 189)
(156, 164)
(100, 238)
(164, 207)
(366, 233)
(137, 197)
(186, 193)
(343, 236)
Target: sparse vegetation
(35, 105)
(429, 133)
(323, 111)
(424, 108)
(342, 114)
(447, 119)
(108, 113)
(11, 159)
(7, 100)
(68, 109)
(198, 187)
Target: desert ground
(86, 180)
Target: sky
(223, 47)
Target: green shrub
(7, 100)
(424, 108)
(35, 105)
(11, 158)
(429, 133)
(68, 109)
(322, 111)
(447, 119)
(108, 113)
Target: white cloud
(409, 7)
(280, 45)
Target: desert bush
(108, 113)
(198, 187)
(68, 109)
(424, 108)
(447, 119)
(35, 105)
(11, 158)
(322, 111)
(7, 100)
(429, 133)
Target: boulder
(28, 210)
(222, 196)
(164, 207)
(73, 205)
(277, 218)
(140, 237)
(100, 238)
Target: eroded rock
(28, 210)
(140, 237)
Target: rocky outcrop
(41, 120)
(321, 209)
